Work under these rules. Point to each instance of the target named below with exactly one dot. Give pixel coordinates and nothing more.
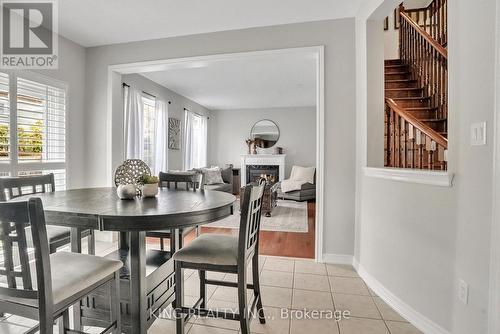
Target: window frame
(14, 165)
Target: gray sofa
(227, 186)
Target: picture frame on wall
(174, 133)
(396, 18)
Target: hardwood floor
(299, 245)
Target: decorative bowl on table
(126, 191)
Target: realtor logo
(28, 35)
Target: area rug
(288, 216)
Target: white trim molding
(417, 319)
(338, 259)
(433, 178)
(114, 109)
(494, 293)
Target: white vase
(126, 191)
(150, 190)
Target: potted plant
(149, 185)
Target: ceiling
(101, 22)
(260, 81)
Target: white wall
(230, 128)
(175, 109)
(338, 38)
(417, 240)
(72, 71)
(391, 38)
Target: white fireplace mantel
(262, 160)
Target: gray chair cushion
(71, 274)
(210, 249)
(54, 233)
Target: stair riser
(437, 126)
(404, 93)
(405, 84)
(397, 76)
(422, 103)
(422, 114)
(393, 62)
(396, 68)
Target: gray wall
(175, 109)
(230, 128)
(338, 38)
(418, 240)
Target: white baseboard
(406, 311)
(337, 259)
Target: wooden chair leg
(115, 312)
(91, 242)
(242, 301)
(256, 288)
(203, 288)
(64, 322)
(179, 317)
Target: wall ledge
(417, 319)
(433, 178)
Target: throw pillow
(212, 175)
(305, 174)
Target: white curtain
(195, 140)
(134, 116)
(161, 133)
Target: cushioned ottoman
(306, 193)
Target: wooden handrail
(415, 122)
(425, 35)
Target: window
(149, 130)
(32, 127)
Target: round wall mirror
(265, 133)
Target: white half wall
(175, 109)
(229, 129)
(418, 240)
(338, 38)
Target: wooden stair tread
(400, 80)
(420, 108)
(411, 98)
(405, 88)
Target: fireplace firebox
(269, 172)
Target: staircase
(416, 92)
(409, 95)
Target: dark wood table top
(171, 208)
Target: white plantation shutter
(41, 122)
(35, 109)
(5, 148)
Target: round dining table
(147, 278)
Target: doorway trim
(494, 302)
(115, 109)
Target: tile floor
(287, 285)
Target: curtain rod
(144, 92)
(196, 113)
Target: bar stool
(226, 254)
(44, 289)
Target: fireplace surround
(256, 164)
